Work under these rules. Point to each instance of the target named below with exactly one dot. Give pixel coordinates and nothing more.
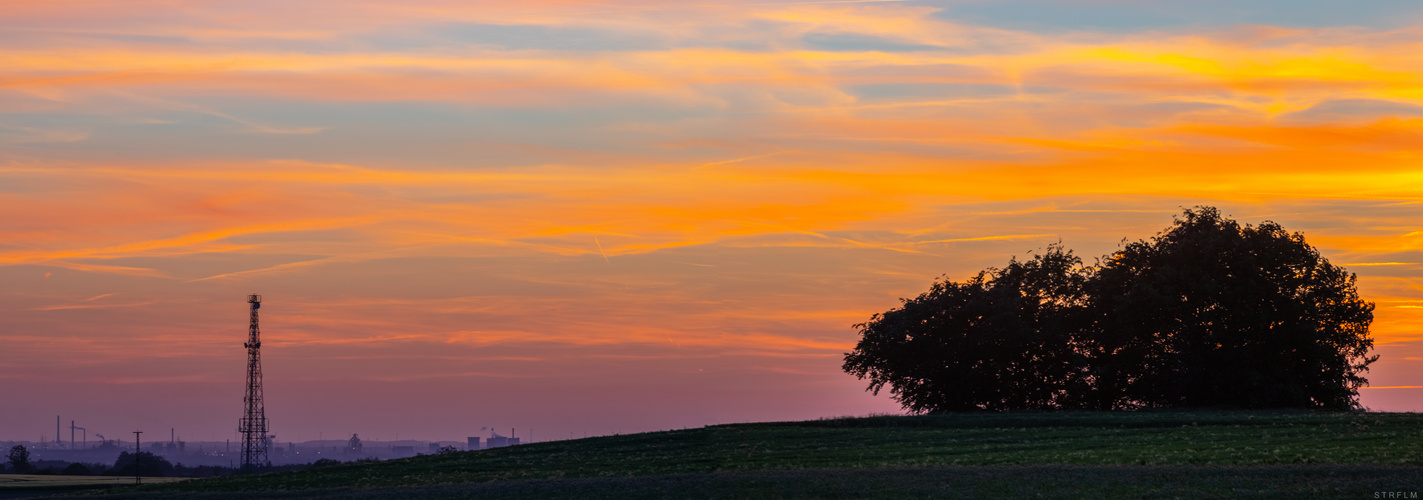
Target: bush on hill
(142, 463)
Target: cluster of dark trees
(148, 465)
(1208, 313)
(18, 462)
(128, 464)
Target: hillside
(1056, 454)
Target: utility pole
(85, 443)
(137, 458)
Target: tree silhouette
(999, 341)
(19, 457)
(1207, 313)
(1212, 313)
(149, 465)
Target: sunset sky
(616, 216)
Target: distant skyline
(622, 216)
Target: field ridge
(1222, 447)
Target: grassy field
(1190, 454)
(22, 485)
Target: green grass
(1270, 481)
(18, 485)
(1136, 452)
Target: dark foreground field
(1060, 455)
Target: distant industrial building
(473, 444)
(497, 441)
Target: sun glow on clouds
(630, 194)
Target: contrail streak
(600, 249)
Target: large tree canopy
(1207, 313)
(998, 341)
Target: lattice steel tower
(253, 424)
